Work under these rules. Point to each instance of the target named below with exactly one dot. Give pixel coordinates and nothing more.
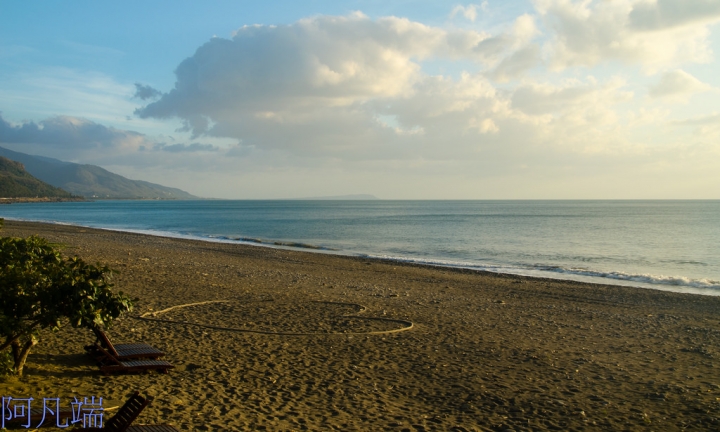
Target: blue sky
(400, 99)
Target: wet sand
(292, 346)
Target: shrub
(40, 289)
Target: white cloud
(50, 91)
(470, 12)
(84, 141)
(493, 49)
(68, 132)
(192, 148)
(145, 92)
(517, 63)
(708, 120)
(589, 32)
(573, 95)
(47, 92)
(524, 29)
(663, 14)
(319, 85)
(707, 127)
(305, 85)
(353, 89)
(576, 117)
(484, 126)
(678, 85)
(347, 98)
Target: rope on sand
(407, 324)
(156, 313)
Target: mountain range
(91, 181)
(15, 182)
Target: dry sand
(486, 351)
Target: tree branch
(21, 355)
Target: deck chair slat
(121, 421)
(123, 351)
(108, 364)
(151, 428)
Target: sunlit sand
(281, 340)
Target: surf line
(407, 325)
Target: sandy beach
(287, 340)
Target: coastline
(41, 199)
(486, 351)
(658, 283)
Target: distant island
(357, 197)
(91, 181)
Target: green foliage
(15, 182)
(6, 364)
(40, 289)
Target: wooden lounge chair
(121, 421)
(123, 351)
(110, 364)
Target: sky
(513, 99)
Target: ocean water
(667, 245)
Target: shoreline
(569, 275)
(20, 200)
(486, 352)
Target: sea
(662, 245)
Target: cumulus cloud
(517, 63)
(194, 147)
(713, 119)
(349, 93)
(305, 85)
(319, 85)
(82, 140)
(335, 60)
(678, 84)
(470, 11)
(541, 99)
(663, 14)
(68, 132)
(588, 32)
(706, 126)
(495, 48)
(437, 100)
(145, 92)
(352, 98)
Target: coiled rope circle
(407, 325)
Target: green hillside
(15, 182)
(92, 181)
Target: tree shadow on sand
(61, 366)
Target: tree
(40, 289)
